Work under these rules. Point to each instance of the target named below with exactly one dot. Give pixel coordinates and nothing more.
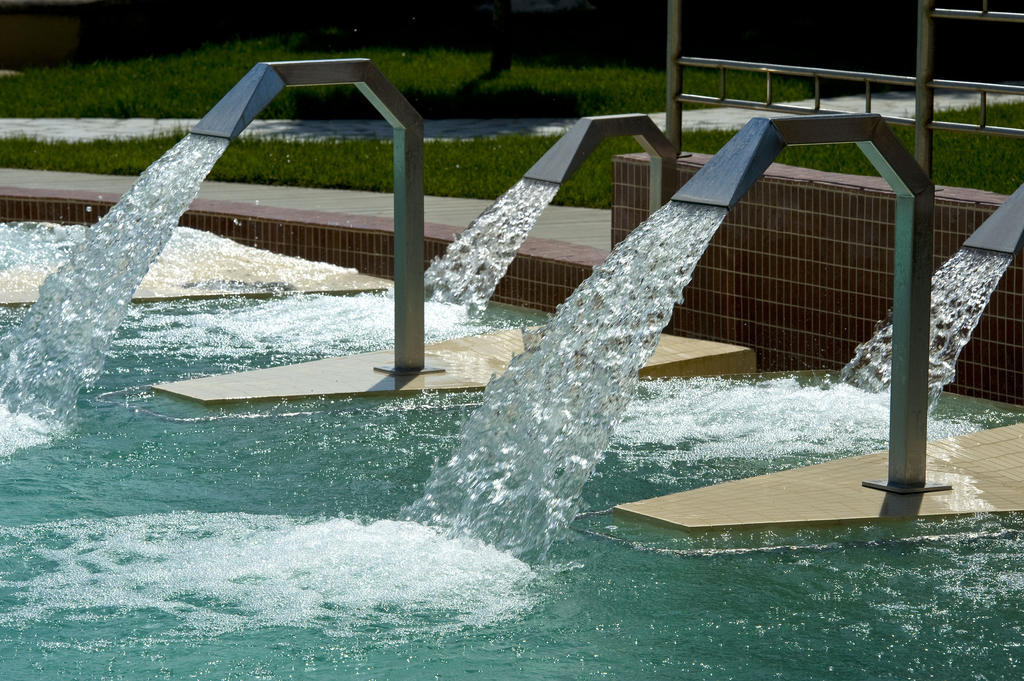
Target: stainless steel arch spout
(1003, 231)
(567, 154)
(727, 177)
(257, 88)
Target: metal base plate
(886, 486)
(398, 371)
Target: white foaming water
(761, 419)
(201, 261)
(516, 475)
(18, 431)
(219, 573)
(63, 339)
(37, 244)
(193, 262)
(292, 325)
(478, 258)
(961, 289)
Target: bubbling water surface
(219, 573)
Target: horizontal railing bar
(777, 108)
(806, 110)
(835, 74)
(978, 15)
(969, 86)
(971, 127)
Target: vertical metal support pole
(925, 96)
(662, 184)
(674, 74)
(908, 413)
(408, 162)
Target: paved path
(584, 226)
(88, 129)
(718, 118)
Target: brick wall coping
(546, 249)
(781, 171)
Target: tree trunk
(501, 48)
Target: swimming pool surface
(158, 539)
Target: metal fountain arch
(727, 177)
(229, 117)
(570, 151)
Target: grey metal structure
(1003, 231)
(567, 154)
(258, 87)
(923, 82)
(725, 179)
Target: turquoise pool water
(157, 539)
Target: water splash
(193, 262)
(800, 419)
(515, 477)
(38, 245)
(299, 328)
(961, 289)
(220, 573)
(470, 269)
(61, 344)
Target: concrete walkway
(717, 118)
(582, 226)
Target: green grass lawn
(440, 83)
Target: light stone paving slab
(469, 364)
(895, 103)
(983, 468)
(92, 129)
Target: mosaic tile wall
(801, 271)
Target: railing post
(673, 74)
(925, 96)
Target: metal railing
(815, 74)
(923, 83)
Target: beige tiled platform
(468, 362)
(986, 470)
